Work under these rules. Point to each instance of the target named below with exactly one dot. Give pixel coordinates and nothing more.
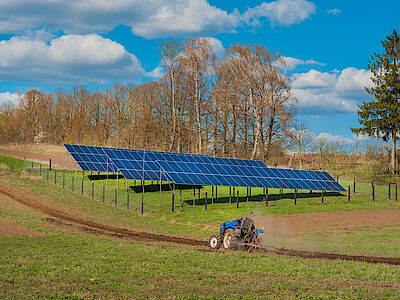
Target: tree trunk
(253, 155)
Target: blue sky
(327, 45)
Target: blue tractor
(237, 235)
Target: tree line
(236, 105)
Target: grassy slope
(61, 266)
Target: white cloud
(149, 19)
(282, 12)
(321, 93)
(312, 79)
(334, 11)
(292, 63)
(158, 72)
(8, 97)
(331, 138)
(352, 81)
(216, 45)
(67, 59)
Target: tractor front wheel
(230, 239)
(215, 241)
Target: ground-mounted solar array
(198, 169)
(90, 158)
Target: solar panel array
(90, 158)
(200, 169)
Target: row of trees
(239, 106)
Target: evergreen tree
(381, 116)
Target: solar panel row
(198, 169)
(90, 158)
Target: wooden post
(107, 176)
(396, 193)
(237, 200)
(104, 193)
(173, 196)
(63, 181)
(295, 196)
(40, 170)
(348, 195)
(116, 196)
(205, 202)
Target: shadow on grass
(261, 198)
(164, 187)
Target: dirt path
(10, 228)
(63, 219)
(55, 213)
(57, 159)
(316, 221)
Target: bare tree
(170, 51)
(299, 137)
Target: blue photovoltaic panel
(136, 164)
(91, 158)
(201, 169)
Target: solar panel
(198, 169)
(90, 158)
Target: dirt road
(61, 218)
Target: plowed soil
(57, 159)
(63, 219)
(10, 228)
(315, 221)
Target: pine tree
(381, 116)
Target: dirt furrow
(117, 232)
(142, 236)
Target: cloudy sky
(327, 45)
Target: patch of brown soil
(316, 221)
(57, 159)
(10, 228)
(90, 225)
(63, 219)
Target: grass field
(68, 264)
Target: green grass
(187, 218)
(66, 267)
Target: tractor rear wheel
(215, 241)
(230, 240)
